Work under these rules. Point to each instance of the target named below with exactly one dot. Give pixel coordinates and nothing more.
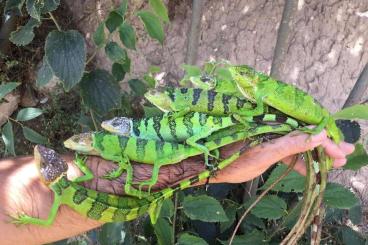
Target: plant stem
(174, 217)
(287, 171)
(54, 20)
(93, 119)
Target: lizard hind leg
(116, 173)
(80, 162)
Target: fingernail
(347, 148)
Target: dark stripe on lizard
(225, 102)
(141, 147)
(184, 90)
(211, 95)
(188, 123)
(203, 119)
(95, 212)
(123, 141)
(171, 93)
(172, 126)
(239, 103)
(217, 121)
(159, 145)
(79, 196)
(157, 126)
(196, 95)
(146, 120)
(136, 127)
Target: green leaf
(66, 55)
(230, 211)
(111, 233)
(115, 52)
(355, 214)
(163, 232)
(187, 239)
(100, 92)
(113, 21)
(122, 8)
(50, 5)
(149, 80)
(118, 71)
(137, 86)
(353, 112)
(293, 182)
(291, 218)
(34, 8)
(127, 35)
(28, 114)
(153, 25)
(44, 74)
(269, 207)
(160, 9)
(33, 136)
(99, 35)
(8, 138)
(24, 34)
(224, 74)
(337, 196)
(191, 71)
(7, 88)
(167, 209)
(255, 237)
(204, 208)
(351, 237)
(14, 5)
(357, 159)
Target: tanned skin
(20, 188)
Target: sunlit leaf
(357, 159)
(33, 136)
(160, 9)
(353, 112)
(7, 88)
(127, 35)
(28, 114)
(8, 138)
(204, 208)
(153, 25)
(337, 196)
(99, 35)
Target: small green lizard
(190, 128)
(292, 101)
(122, 149)
(97, 205)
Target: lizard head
(160, 98)
(118, 125)
(245, 78)
(50, 164)
(81, 143)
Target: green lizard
(122, 149)
(184, 100)
(189, 129)
(292, 101)
(97, 205)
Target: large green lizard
(122, 149)
(257, 86)
(189, 129)
(97, 205)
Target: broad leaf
(160, 9)
(337, 196)
(357, 159)
(115, 52)
(13, 5)
(99, 35)
(24, 34)
(44, 74)
(100, 92)
(351, 237)
(355, 214)
(28, 114)
(66, 55)
(269, 207)
(204, 208)
(8, 138)
(34, 8)
(293, 182)
(224, 74)
(122, 8)
(113, 21)
(187, 239)
(7, 88)
(137, 86)
(127, 35)
(167, 209)
(353, 112)
(33, 136)
(50, 5)
(118, 71)
(254, 237)
(111, 233)
(163, 232)
(153, 25)
(230, 211)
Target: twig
(174, 216)
(287, 171)
(54, 20)
(93, 120)
(359, 88)
(193, 38)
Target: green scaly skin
(187, 129)
(97, 205)
(122, 149)
(292, 101)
